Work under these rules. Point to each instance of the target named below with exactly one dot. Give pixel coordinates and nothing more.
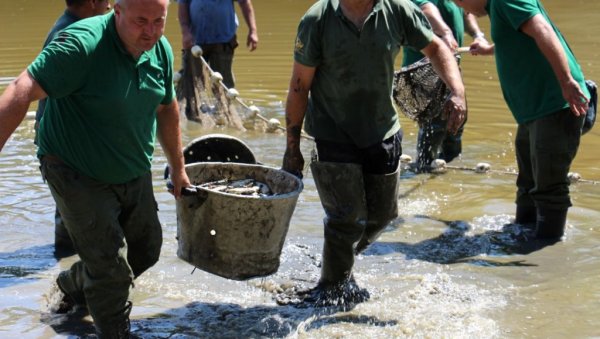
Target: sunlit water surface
(447, 268)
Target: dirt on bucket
(231, 234)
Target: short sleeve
(517, 12)
(307, 47)
(62, 66)
(416, 27)
(169, 87)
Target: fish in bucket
(234, 220)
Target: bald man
(108, 80)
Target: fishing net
(419, 92)
(203, 97)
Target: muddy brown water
(444, 269)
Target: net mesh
(419, 92)
(207, 101)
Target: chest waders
(357, 207)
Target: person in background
(75, 11)
(340, 89)
(212, 25)
(108, 80)
(544, 88)
(449, 22)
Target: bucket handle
(186, 191)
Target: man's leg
(63, 245)
(526, 212)
(452, 145)
(381, 187)
(220, 59)
(429, 141)
(142, 229)
(555, 140)
(102, 277)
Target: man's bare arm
(14, 103)
(169, 136)
(439, 26)
(183, 14)
(248, 12)
(547, 41)
(444, 63)
(297, 101)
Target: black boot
(550, 223)
(525, 215)
(120, 328)
(342, 193)
(382, 205)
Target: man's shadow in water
(223, 320)
(454, 245)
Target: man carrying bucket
(545, 90)
(344, 57)
(108, 80)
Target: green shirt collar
(377, 5)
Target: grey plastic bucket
(235, 236)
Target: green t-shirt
(528, 82)
(65, 20)
(452, 15)
(351, 94)
(100, 117)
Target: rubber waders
(550, 223)
(342, 193)
(120, 328)
(382, 205)
(525, 215)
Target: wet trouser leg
(343, 193)
(435, 142)
(62, 239)
(116, 232)
(341, 190)
(545, 149)
(220, 59)
(382, 205)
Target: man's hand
(449, 40)
(252, 41)
(575, 97)
(455, 112)
(293, 162)
(481, 47)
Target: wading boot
(119, 328)
(525, 215)
(550, 223)
(382, 205)
(342, 193)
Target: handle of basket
(187, 191)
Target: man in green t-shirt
(544, 88)
(75, 11)
(449, 22)
(344, 58)
(108, 80)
